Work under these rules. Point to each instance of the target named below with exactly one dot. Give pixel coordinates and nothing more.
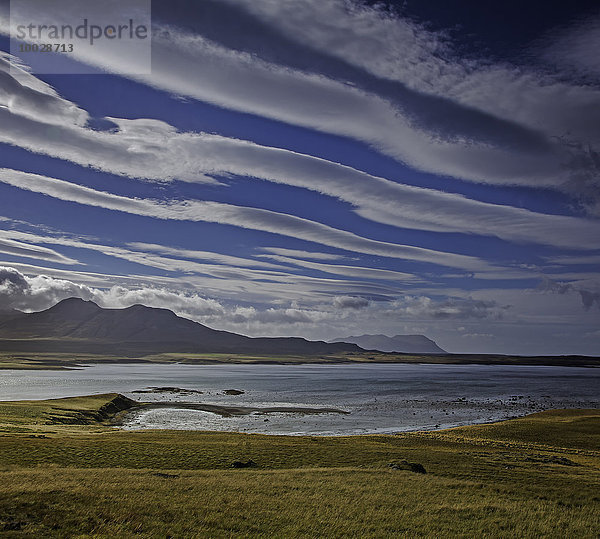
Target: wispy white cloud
(17, 248)
(240, 216)
(143, 149)
(155, 150)
(243, 82)
(414, 98)
(350, 271)
(392, 203)
(233, 261)
(451, 98)
(203, 255)
(395, 48)
(145, 257)
(424, 307)
(234, 281)
(573, 49)
(295, 253)
(22, 94)
(565, 260)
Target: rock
(155, 389)
(12, 525)
(409, 466)
(233, 392)
(165, 475)
(240, 464)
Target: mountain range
(78, 326)
(75, 325)
(404, 344)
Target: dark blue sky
(503, 30)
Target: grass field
(65, 472)
(60, 360)
(46, 360)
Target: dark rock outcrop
(409, 466)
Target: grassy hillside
(65, 471)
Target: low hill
(404, 344)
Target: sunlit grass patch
(284, 503)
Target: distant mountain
(78, 325)
(407, 344)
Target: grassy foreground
(65, 472)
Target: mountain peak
(144, 308)
(75, 307)
(76, 301)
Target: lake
(379, 398)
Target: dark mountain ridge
(403, 344)
(74, 323)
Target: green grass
(287, 503)
(537, 476)
(41, 416)
(46, 360)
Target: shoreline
(120, 419)
(376, 432)
(308, 399)
(218, 409)
(113, 410)
(20, 360)
(37, 366)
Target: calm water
(380, 398)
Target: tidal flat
(379, 398)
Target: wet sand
(223, 411)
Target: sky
(317, 168)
